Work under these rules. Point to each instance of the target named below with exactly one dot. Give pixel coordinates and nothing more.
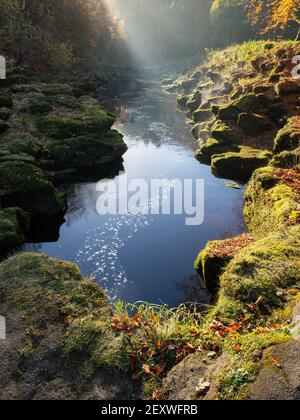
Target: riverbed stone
(14, 224)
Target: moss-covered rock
(87, 150)
(259, 270)
(253, 124)
(213, 147)
(202, 115)
(5, 113)
(288, 138)
(286, 159)
(25, 186)
(14, 224)
(5, 100)
(56, 89)
(60, 343)
(93, 119)
(212, 261)
(240, 165)
(269, 203)
(227, 112)
(247, 103)
(223, 132)
(21, 143)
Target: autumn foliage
(273, 16)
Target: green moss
(223, 132)
(227, 112)
(286, 159)
(247, 103)
(288, 138)
(269, 203)
(240, 165)
(213, 147)
(87, 151)
(14, 224)
(40, 288)
(56, 89)
(17, 143)
(258, 270)
(92, 119)
(23, 185)
(5, 100)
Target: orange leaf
(146, 369)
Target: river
(145, 257)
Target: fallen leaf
(146, 369)
(277, 363)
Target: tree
(276, 16)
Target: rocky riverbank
(244, 107)
(47, 131)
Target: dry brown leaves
(229, 247)
(290, 177)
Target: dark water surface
(145, 257)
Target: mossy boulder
(25, 186)
(213, 147)
(14, 224)
(269, 203)
(202, 115)
(286, 159)
(35, 103)
(227, 112)
(253, 124)
(288, 138)
(92, 119)
(5, 100)
(240, 165)
(288, 87)
(223, 132)
(259, 271)
(18, 79)
(212, 261)
(247, 103)
(5, 113)
(60, 343)
(56, 89)
(87, 151)
(21, 143)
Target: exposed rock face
(280, 380)
(288, 138)
(55, 320)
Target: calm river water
(145, 257)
